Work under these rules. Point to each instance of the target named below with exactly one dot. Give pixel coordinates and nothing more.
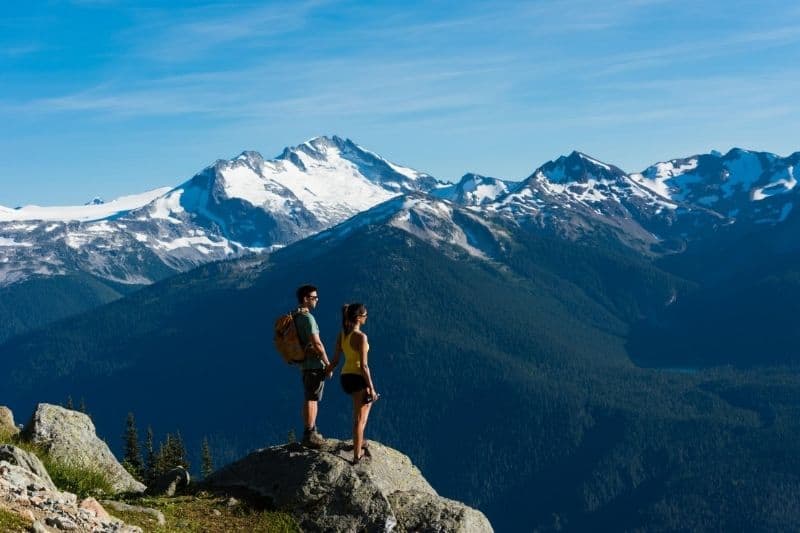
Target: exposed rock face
(7, 426)
(326, 492)
(69, 436)
(170, 483)
(421, 511)
(26, 489)
(28, 466)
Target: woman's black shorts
(353, 383)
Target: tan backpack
(287, 342)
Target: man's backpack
(287, 342)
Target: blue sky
(107, 97)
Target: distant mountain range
(249, 204)
(58, 261)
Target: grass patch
(11, 522)
(6, 438)
(76, 479)
(79, 480)
(205, 512)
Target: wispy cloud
(158, 37)
(20, 50)
(701, 49)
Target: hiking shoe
(313, 439)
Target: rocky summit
(325, 491)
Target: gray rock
(170, 483)
(38, 527)
(7, 426)
(420, 511)
(324, 491)
(155, 514)
(59, 522)
(70, 436)
(27, 461)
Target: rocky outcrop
(25, 468)
(7, 426)
(69, 436)
(324, 491)
(26, 489)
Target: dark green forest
(512, 384)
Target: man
(315, 366)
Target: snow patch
(83, 213)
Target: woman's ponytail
(345, 322)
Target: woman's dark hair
(350, 313)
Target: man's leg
(310, 414)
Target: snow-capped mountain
(248, 204)
(230, 208)
(661, 208)
(475, 190)
(442, 224)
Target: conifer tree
(207, 466)
(171, 453)
(69, 403)
(150, 466)
(132, 460)
(82, 407)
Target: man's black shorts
(353, 383)
(313, 384)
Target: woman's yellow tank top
(352, 359)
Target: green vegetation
(68, 477)
(203, 512)
(76, 479)
(11, 522)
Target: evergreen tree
(69, 403)
(82, 407)
(150, 466)
(171, 453)
(132, 460)
(207, 466)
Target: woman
(356, 378)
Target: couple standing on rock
(356, 378)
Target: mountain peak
(578, 167)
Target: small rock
(232, 502)
(59, 522)
(216, 512)
(90, 504)
(155, 514)
(38, 527)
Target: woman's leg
(358, 443)
(358, 432)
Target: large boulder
(324, 491)
(7, 427)
(69, 436)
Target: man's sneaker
(313, 439)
